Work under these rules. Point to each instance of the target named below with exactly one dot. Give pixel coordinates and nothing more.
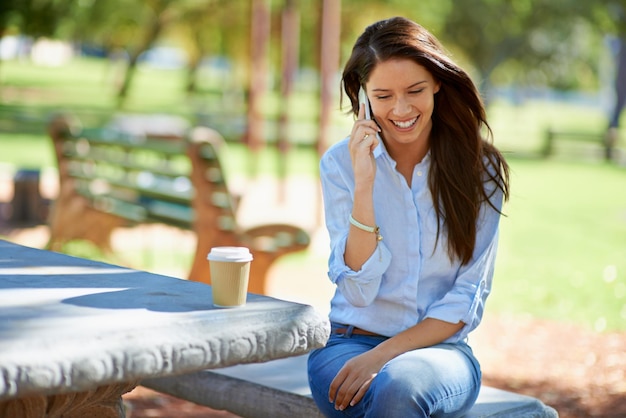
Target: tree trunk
(612, 134)
(153, 32)
(620, 83)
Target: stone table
(77, 334)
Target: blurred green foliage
(562, 253)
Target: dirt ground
(578, 372)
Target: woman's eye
(382, 97)
(416, 91)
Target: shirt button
(419, 173)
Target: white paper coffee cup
(230, 272)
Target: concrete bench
(76, 334)
(280, 389)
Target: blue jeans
(438, 381)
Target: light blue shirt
(410, 276)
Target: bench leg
(103, 402)
(94, 226)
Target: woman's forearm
(427, 333)
(361, 244)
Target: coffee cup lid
(238, 254)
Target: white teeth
(406, 124)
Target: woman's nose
(401, 107)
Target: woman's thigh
(439, 381)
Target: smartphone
(368, 112)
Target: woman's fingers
(361, 392)
(364, 128)
(350, 393)
(335, 385)
(361, 114)
(349, 387)
(344, 392)
(365, 131)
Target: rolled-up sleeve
(358, 287)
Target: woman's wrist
(367, 228)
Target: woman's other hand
(354, 379)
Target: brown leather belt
(356, 331)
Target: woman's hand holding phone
(363, 139)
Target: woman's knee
(419, 385)
(395, 395)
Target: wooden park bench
(109, 178)
(280, 389)
(606, 141)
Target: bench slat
(280, 389)
(161, 167)
(108, 184)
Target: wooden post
(290, 46)
(329, 65)
(259, 46)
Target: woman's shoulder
(338, 149)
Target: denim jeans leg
(439, 381)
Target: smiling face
(401, 94)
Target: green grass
(563, 244)
(562, 249)
(521, 128)
(87, 88)
(26, 151)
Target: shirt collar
(380, 148)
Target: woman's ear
(437, 87)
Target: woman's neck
(407, 156)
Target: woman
(413, 219)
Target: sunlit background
(240, 67)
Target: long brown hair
(463, 160)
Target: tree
(612, 19)
(131, 25)
(7, 13)
(546, 39)
(39, 18)
(157, 15)
(35, 18)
